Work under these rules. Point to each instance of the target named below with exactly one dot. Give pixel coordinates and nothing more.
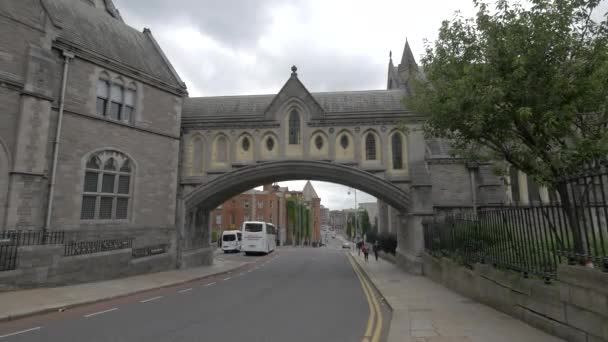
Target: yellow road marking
(374, 308)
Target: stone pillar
(522, 179)
(410, 242)
(28, 180)
(382, 216)
(544, 194)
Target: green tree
(364, 223)
(526, 85)
(349, 230)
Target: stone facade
(115, 148)
(85, 42)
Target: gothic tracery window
(370, 147)
(397, 150)
(107, 187)
(294, 127)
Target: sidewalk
(22, 303)
(424, 311)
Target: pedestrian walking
(365, 252)
(376, 249)
(358, 248)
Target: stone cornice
(98, 118)
(10, 80)
(259, 122)
(118, 67)
(37, 95)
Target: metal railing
(143, 252)
(89, 247)
(32, 237)
(8, 257)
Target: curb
(88, 302)
(371, 281)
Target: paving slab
(425, 311)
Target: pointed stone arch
(269, 146)
(371, 147)
(220, 151)
(345, 146)
(245, 144)
(195, 162)
(318, 145)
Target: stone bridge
(364, 139)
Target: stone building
(89, 124)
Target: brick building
(269, 205)
(266, 205)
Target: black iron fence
(32, 237)
(8, 257)
(10, 240)
(89, 247)
(143, 252)
(532, 239)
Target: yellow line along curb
(373, 304)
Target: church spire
(407, 59)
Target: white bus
(258, 237)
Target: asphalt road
(293, 294)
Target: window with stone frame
(260, 204)
(294, 127)
(370, 147)
(114, 101)
(107, 187)
(397, 149)
(103, 95)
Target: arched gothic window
(222, 149)
(294, 127)
(107, 188)
(197, 155)
(397, 149)
(319, 142)
(370, 147)
(269, 143)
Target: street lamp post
(356, 221)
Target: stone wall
(574, 308)
(47, 266)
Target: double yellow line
(372, 332)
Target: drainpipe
(66, 62)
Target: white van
(231, 240)
(258, 237)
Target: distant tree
(364, 223)
(524, 84)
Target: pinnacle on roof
(309, 191)
(407, 58)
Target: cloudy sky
(228, 47)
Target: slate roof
(96, 30)
(332, 102)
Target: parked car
(346, 245)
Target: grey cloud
(234, 22)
